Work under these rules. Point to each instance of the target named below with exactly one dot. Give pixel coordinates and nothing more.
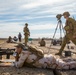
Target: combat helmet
(66, 13)
(20, 46)
(26, 24)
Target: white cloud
(36, 17)
(37, 7)
(38, 3)
(12, 29)
(16, 27)
(31, 9)
(42, 27)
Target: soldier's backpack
(74, 27)
(36, 51)
(71, 26)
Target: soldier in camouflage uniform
(26, 33)
(29, 59)
(42, 42)
(70, 28)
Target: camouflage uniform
(42, 42)
(70, 28)
(36, 59)
(48, 61)
(9, 39)
(26, 33)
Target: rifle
(6, 52)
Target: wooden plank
(6, 63)
(7, 60)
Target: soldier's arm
(28, 32)
(23, 57)
(66, 28)
(71, 24)
(17, 57)
(24, 29)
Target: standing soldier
(19, 37)
(26, 33)
(70, 28)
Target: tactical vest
(26, 31)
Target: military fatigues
(42, 43)
(26, 34)
(48, 61)
(70, 29)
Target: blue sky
(39, 14)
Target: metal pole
(60, 27)
(55, 30)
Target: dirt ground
(24, 71)
(33, 71)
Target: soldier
(26, 33)
(9, 39)
(21, 55)
(26, 58)
(15, 39)
(42, 42)
(19, 37)
(70, 28)
(19, 49)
